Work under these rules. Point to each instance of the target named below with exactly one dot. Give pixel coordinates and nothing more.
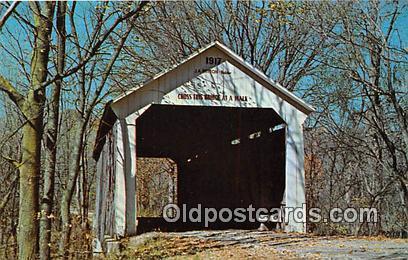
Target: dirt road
(245, 244)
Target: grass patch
(160, 246)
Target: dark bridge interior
(226, 157)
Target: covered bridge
(235, 135)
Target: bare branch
(7, 196)
(11, 91)
(94, 49)
(8, 13)
(15, 162)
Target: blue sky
(11, 69)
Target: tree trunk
(70, 187)
(33, 109)
(47, 200)
(29, 180)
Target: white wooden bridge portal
(235, 135)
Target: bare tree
(91, 79)
(47, 199)
(9, 174)
(31, 100)
(269, 35)
(362, 101)
(31, 105)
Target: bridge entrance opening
(226, 157)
